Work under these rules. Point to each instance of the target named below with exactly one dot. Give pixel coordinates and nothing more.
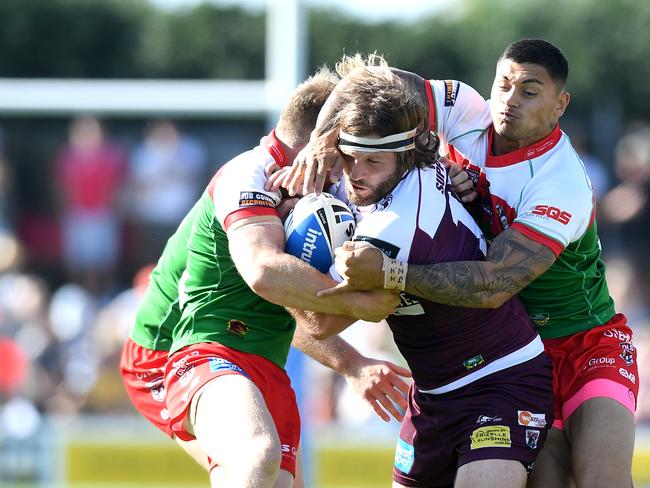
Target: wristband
(394, 273)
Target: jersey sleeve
(238, 191)
(455, 109)
(553, 216)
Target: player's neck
(289, 150)
(502, 145)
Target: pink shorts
(193, 366)
(600, 362)
(143, 373)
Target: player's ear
(562, 103)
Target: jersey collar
(275, 149)
(522, 154)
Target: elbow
(321, 333)
(320, 327)
(261, 282)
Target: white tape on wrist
(394, 273)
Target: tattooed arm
(513, 262)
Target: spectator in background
(89, 174)
(110, 330)
(625, 210)
(596, 169)
(166, 175)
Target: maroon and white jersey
(446, 347)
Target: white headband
(401, 142)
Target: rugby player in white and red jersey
(541, 214)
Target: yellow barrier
(131, 464)
(641, 465)
(354, 467)
(128, 464)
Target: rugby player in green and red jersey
(207, 304)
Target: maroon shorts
(193, 366)
(600, 362)
(505, 415)
(143, 373)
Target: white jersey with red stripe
(542, 191)
(240, 184)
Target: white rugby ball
(315, 227)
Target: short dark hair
(541, 52)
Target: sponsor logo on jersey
(158, 394)
(532, 152)
(409, 305)
(186, 377)
(255, 199)
(390, 250)
(441, 178)
(532, 438)
(540, 319)
(385, 202)
(482, 419)
(472, 363)
(404, 456)
(221, 364)
(601, 362)
(628, 353)
(618, 334)
(491, 436)
(237, 327)
(554, 213)
(528, 419)
(626, 374)
(287, 449)
(151, 377)
(180, 367)
(451, 92)
(153, 381)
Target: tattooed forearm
(463, 284)
(513, 262)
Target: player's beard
(373, 193)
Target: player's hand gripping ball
(316, 226)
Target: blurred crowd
(60, 342)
